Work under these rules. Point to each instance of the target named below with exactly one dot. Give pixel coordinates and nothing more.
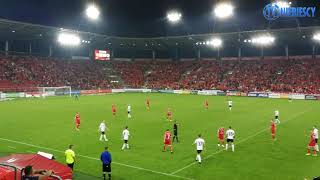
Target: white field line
(120, 164)
(11, 147)
(241, 141)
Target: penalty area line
(92, 158)
(241, 141)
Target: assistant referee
(106, 163)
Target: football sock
(227, 146)
(123, 146)
(127, 146)
(232, 147)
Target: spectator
(106, 163)
(32, 174)
(70, 157)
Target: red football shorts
(221, 137)
(167, 142)
(312, 143)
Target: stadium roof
(14, 30)
(147, 18)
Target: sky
(146, 18)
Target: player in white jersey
(316, 136)
(200, 146)
(230, 104)
(129, 111)
(276, 116)
(102, 130)
(125, 136)
(230, 138)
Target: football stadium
(159, 90)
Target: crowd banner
(251, 94)
(275, 95)
(284, 95)
(15, 95)
(84, 92)
(193, 92)
(243, 94)
(271, 95)
(33, 94)
(209, 92)
(177, 91)
(137, 90)
(117, 90)
(311, 97)
(166, 91)
(146, 90)
(105, 91)
(298, 96)
(258, 94)
(73, 92)
(233, 93)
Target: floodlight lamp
(92, 12)
(316, 37)
(224, 10)
(69, 39)
(282, 4)
(263, 40)
(174, 16)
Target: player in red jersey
(77, 121)
(221, 137)
(114, 110)
(206, 104)
(273, 130)
(169, 115)
(167, 141)
(148, 103)
(312, 144)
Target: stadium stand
(19, 73)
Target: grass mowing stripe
(243, 140)
(121, 164)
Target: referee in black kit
(175, 131)
(106, 163)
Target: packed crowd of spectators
(24, 72)
(299, 76)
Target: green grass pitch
(30, 125)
